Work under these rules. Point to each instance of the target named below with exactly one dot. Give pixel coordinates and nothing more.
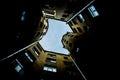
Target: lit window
(74, 21)
(77, 50)
(49, 68)
(93, 11)
(35, 51)
(23, 16)
(18, 68)
(79, 29)
(28, 56)
(86, 28)
(70, 44)
(81, 18)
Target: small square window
(18, 68)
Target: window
(35, 51)
(39, 47)
(70, 44)
(67, 42)
(79, 29)
(65, 15)
(30, 56)
(93, 11)
(74, 30)
(77, 50)
(18, 66)
(50, 69)
(51, 60)
(81, 18)
(74, 21)
(65, 57)
(86, 28)
(52, 55)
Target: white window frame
(27, 55)
(50, 69)
(93, 11)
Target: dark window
(79, 29)
(65, 15)
(70, 44)
(86, 28)
(35, 51)
(39, 47)
(65, 57)
(50, 60)
(41, 24)
(52, 55)
(74, 21)
(67, 42)
(17, 65)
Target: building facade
(80, 42)
(71, 40)
(36, 63)
(22, 58)
(42, 29)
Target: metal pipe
(18, 51)
(80, 11)
(78, 68)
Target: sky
(52, 40)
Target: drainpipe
(78, 68)
(80, 11)
(15, 53)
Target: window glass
(93, 11)
(50, 69)
(35, 51)
(30, 56)
(51, 60)
(81, 18)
